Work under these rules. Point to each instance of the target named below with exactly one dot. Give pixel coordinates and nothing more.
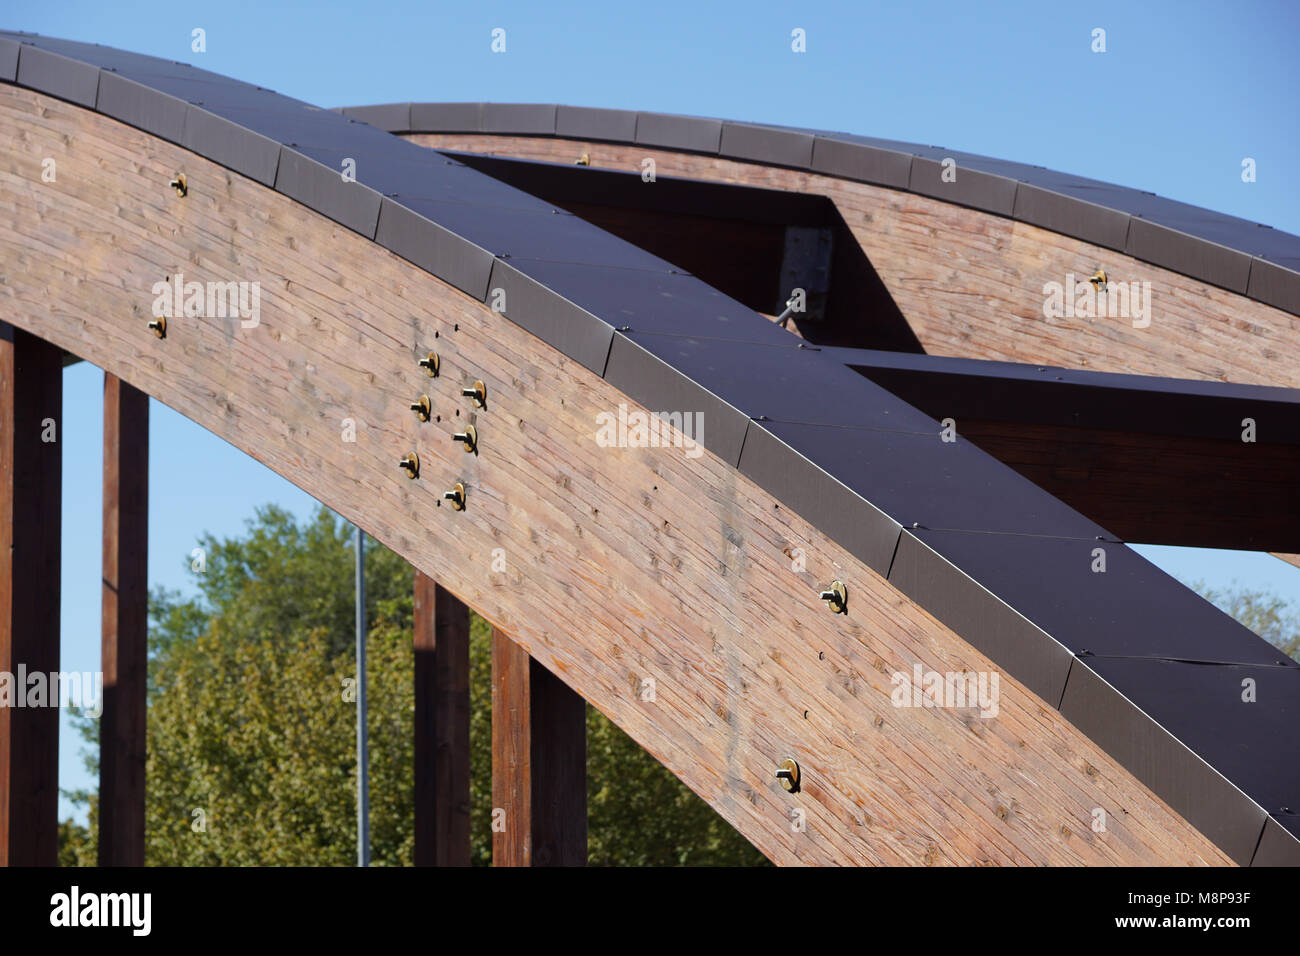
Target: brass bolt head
(788, 773)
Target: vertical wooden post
(441, 726)
(539, 763)
(125, 624)
(31, 486)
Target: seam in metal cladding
(983, 549)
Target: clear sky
(1184, 92)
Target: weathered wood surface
(539, 763)
(31, 482)
(621, 565)
(124, 632)
(971, 283)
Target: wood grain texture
(125, 624)
(621, 564)
(1158, 489)
(971, 284)
(31, 482)
(539, 763)
(442, 801)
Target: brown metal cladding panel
(982, 619)
(1180, 252)
(766, 144)
(580, 122)
(1278, 844)
(446, 117)
(522, 119)
(1165, 764)
(393, 117)
(868, 164)
(1276, 284)
(694, 134)
(995, 194)
(1099, 225)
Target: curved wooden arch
(970, 283)
(621, 566)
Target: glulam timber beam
(970, 283)
(1153, 460)
(31, 482)
(616, 565)
(539, 763)
(125, 624)
(442, 717)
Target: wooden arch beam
(618, 566)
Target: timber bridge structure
(919, 471)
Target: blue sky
(1182, 94)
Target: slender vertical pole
(125, 624)
(31, 483)
(363, 761)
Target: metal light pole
(363, 763)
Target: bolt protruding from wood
(411, 465)
(159, 326)
(478, 392)
(788, 774)
(180, 184)
(456, 496)
(422, 407)
(430, 364)
(469, 437)
(837, 596)
(1098, 280)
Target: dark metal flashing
(1099, 225)
(1218, 249)
(989, 624)
(1279, 844)
(61, 76)
(862, 529)
(858, 161)
(1276, 284)
(659, 386)
(779, 147)
(1013, 392)
(434, 248)
(143, 107)
(447, 117)
(385, 116)
(8, 59)
(231, 145)
(557, 321)
(692, 134)
(1194, 789)
(1190, 255)
(580, 122)
(947, 180)
(323, 188)
(528, 119)
(973, 542)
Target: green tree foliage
(1268, 615)
(251, 731)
